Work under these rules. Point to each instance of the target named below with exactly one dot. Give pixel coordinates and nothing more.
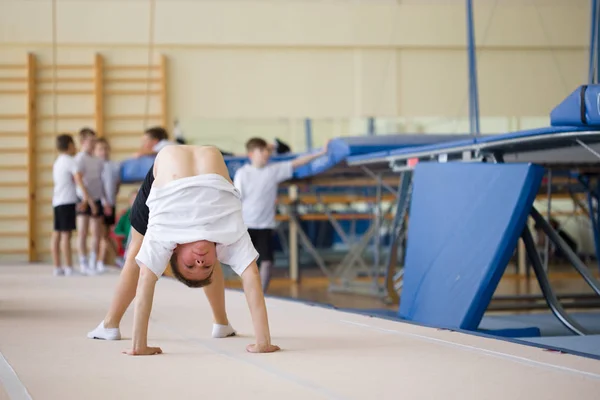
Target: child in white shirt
(111, 181)
(187, 213)
(90, 190)
(258, 183)
(64, 200)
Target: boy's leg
(128, 280)
(65, 248)
(102, 248)
(215, 293)
(54, 247)
(96, 227)
(124, 294)
(82, 232)
(267, 257)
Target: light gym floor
(326, 353)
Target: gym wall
(229, 70)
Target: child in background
(123, 227)
(64, 201)
(90, 190)
(258, 182)
(153, 141)
(111, 181)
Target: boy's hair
(85, 133)
(102, 141)
(256, 143)
(157, 133)
(63, 141)
(192, 283)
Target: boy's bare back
(176, 162)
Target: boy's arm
(300, 161)
(141, 317)
(258, 311)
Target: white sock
(222, 331)
(104, 333)
(92, 265)
(83, 264)
(100, 266)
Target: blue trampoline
(453, 264)
(339, 151)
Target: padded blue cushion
(134, 170)
(465, 220)
(569, 111)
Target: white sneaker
(68, 271)
(104, 333)
(100, 268)
(222, 331)
(58, 271)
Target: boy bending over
(187, 213)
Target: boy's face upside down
(195, 261)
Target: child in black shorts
(64, 200)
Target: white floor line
(11, 382)
(497, 354)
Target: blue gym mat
(587, 345)
(465, 220)
(338, 151)
(547, 323)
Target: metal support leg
(378, 223)
(549, 198)
(309, 248)
(549, 295)
(391, 277)
(564, 247)
(595, 216)
(340, 231)
(293, 235)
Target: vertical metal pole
(549, 218)
(593, 54)
(308, 131)
(473, 90)
(293, 235)
(378, 224)
(371, 127)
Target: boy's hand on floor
(148, 351)
(262, 348)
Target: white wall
(251, 66)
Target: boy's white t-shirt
(202, 207)
(161, 145)
(64, 184)
(91, 169)
(111, 174)
(258, 187)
